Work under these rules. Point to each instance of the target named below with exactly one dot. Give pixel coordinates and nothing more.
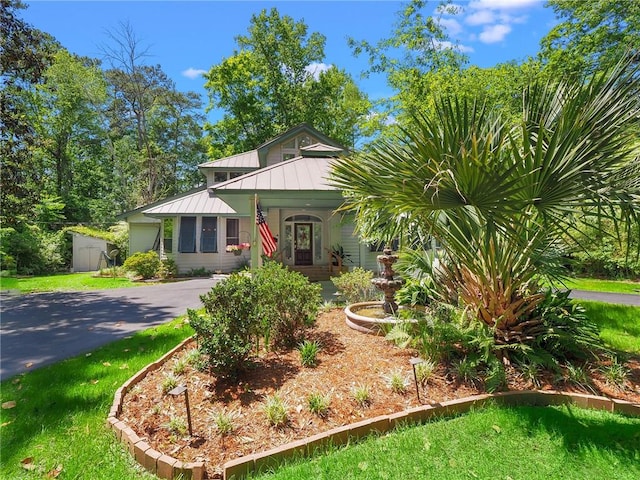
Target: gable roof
(241, 160)
(296, 174)
(258, 157)
(197, 203)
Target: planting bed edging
(169, 468)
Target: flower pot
(237, 253)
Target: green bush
(287, 305)
(144, 264)
(168, 268)
(355, 286)
(273, 306)
(226, 332)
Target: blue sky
(187, 38)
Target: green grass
(619, 324)
(597, 285)
(493, 443)
(67, 282)
(60, 412)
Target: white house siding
(351, 246)
(142, 236)
(222, 261)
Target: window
(235, 174)
(187, 240)
(209, 235)
(233, 231)
(288, 156)
(219, 176)
(167, 240)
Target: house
(288, 176)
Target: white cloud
(453, 46)
(494, 33)
(316, 69)
(193, 73)
(502, 4)
(451, 26)
(481, 17)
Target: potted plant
(237, 249)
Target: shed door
(303, 236)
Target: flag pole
(255, 248)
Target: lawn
(619, 324)
(66, 282)
(598, 285)
(60, 411)
(492, 443)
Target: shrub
(225, 333)
(397, 382)
(223, 422)
(361, 395)
(309, 353)
(168, 268)
(145, 265)
(287, 303)
(318, 404)
(355, 286)
(169, 383)
(276, 411)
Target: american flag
(268, 242)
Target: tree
(267, 86)
(499, 198)
(69, 122)
(591, 35)
(417, 48)
(25, 54)
(143, 96)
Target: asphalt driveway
(43, 328)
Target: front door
(302, 246)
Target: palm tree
(499, 197)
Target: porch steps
(316, 273)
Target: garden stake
(416, 361)
(177, 391)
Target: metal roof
(199, 203)
(300, 173)
(241, 160)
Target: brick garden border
(169, 468)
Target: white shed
(87, 253)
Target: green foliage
(30, 250)
(143, 264)
(496, 377)
(223, 422)
(590, 36)
(616, 373)
(288, 303)
(355, 286)
(309, 353)
(168, 268)
(318, 404)
(265, 88)
(225, 332)
(275, 305)
(566, 331)
(499, 199)
(425, 370)
(361, 395)
(275, 410)
(397, 381)
(177, 426)
(169, 383)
